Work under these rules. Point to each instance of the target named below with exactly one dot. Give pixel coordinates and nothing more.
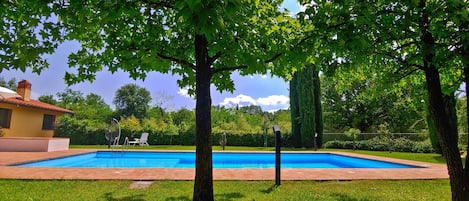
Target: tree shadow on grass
(228, 196)
(180, 198)
(221, 197)
(344, 197)
(270, 189)
(440, 159)
(110, 197)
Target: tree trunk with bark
(203, 185)
(448, 139)
(446, 133)
(465, 53)
(466, 166)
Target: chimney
(24, 89)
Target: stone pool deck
(429, 170)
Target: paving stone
(140, 184)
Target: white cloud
(184, 92)
(239, 100)
(275, 110)
(273, 100)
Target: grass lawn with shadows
(72, 190)
(119, 190)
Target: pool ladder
(124, 147)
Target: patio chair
(143, 140)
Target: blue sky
(271, 93)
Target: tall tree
(132, 100)
(357, 98)
(10, 84)
(48, 99)
(295, 111)
(70, 99)
(306, 108)
(402, 38)
(319, 124)
(202, 41)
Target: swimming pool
(106, 159)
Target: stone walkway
(429, 170)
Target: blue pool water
(105, 159)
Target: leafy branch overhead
(144, 36)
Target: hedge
(82, 135)
(384, 144)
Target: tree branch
(211, 60)
(405, 45)
(275, 57)
(232, 68)
(178, 61)
(162, 3)
(408, 73)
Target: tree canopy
(132, 100)
(202, 41)
(401, 38)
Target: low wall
(33, 144)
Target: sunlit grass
(71, 190)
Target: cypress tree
(318, 107)
(295, 112)
(305, 106)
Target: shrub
(402, 145)
(423, 147)
(384, 144)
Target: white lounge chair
(143, 140)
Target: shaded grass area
(71, 190)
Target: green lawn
(228, 190)
(235, 190)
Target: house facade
(24, 117)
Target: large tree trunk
(432, 131)
(465, 52)
(446, 133)
(203, 185)
(448, 139)
(466, 166)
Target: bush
(384, 144)
(423, 147)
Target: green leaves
(132, 100)
(29, 32)
(140, 37)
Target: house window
(5, 117)
(48, 122)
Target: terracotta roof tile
(34, 104)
